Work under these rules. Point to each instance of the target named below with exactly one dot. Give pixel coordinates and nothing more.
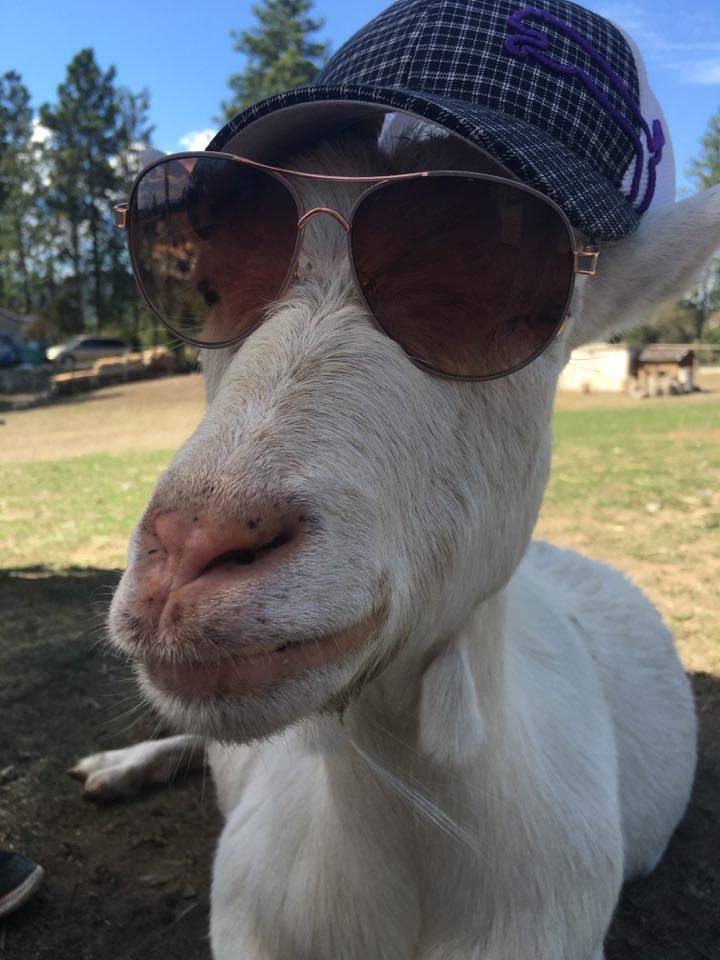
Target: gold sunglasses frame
(584, 259)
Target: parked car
(84, 351)
(9, 351)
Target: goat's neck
(380, 735)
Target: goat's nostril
(241, 557)
(238, 557)
(196, 545)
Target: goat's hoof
(109, 775)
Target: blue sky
(183, 53)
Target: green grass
(637, 486)
(629, 458)
(608, 461)
(75, 512)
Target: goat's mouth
(256, 667)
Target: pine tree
(126, 310)
(704, 298)
(60, 256)
(86, 134)
(280, 52)
(136, 133)
(18, 193)
(704, 169)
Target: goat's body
(481, 741)
(585, 769)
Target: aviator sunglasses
(470, 274)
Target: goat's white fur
(529, 742)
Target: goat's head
(339, 511)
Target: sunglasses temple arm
(586, 259)
(120, 211)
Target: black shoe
(19, 879)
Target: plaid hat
(557, 94)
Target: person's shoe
(19, 879)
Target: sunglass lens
(212, 242)
(470, 276)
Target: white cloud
(40, 133)
(630, 16)
(705, 72)
(692, 51)
(197, 139)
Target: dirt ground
(130, 881)
(124, 882)
(146, 415)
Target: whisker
(422, 805)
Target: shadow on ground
(25, 402)
(130, 881)
(124, 882)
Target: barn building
(647, 371)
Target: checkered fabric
(552, 92)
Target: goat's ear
(451, 725)
(655, 263)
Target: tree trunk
(23, 265)
(136, 318)
(77, 267)
(97, 271)
(700, 319)
(704, 304)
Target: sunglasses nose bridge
(329, 211)
(308, 215)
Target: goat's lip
(257, 667)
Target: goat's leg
(122, 773)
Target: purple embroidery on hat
(529, 42)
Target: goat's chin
(248, 691)
(242, 715)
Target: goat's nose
(182, 547)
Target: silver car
(84, 351)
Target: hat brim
(591, 202)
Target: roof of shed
(654, 354)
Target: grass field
(76, 475)
(633, 483)
(638, 486)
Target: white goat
(490, 735)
